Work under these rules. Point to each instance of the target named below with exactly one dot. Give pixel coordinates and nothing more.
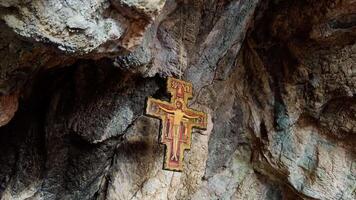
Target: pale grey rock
(279, 93)
(150, 8)
(59, 32)
(82, 26)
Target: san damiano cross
(177, 122)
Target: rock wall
(277, 79)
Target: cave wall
(277, 79)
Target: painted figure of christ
(178, 114)
(177, 121)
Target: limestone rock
(82, 26)
(276, 78)
(64, 31)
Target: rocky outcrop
(57, 33)
(277, 79)
(82, 27)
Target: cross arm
(199, 118)
(157, 108)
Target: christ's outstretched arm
(191, 115)
(167, 109)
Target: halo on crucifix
(177, 122)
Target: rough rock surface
(277, 79)
(82, 26)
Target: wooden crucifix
(177, 122)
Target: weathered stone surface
(277, 79)
(82, 26)
(20, 60)
(63, 31)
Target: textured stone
(277, 79)
(82, 26)
(63, 31)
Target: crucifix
(177, 121)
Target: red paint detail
(180, 91)
(167, 128)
